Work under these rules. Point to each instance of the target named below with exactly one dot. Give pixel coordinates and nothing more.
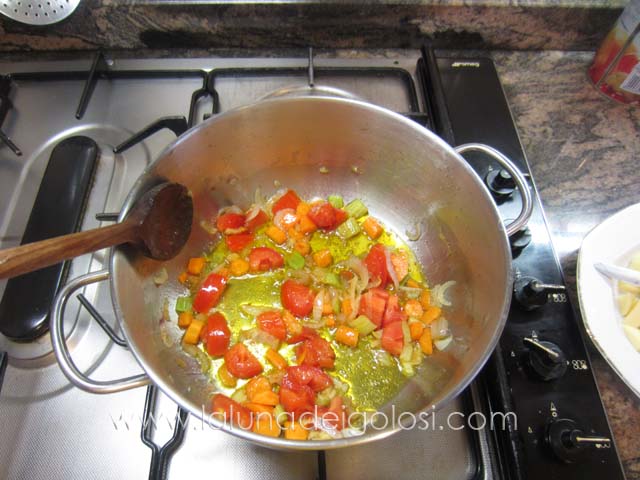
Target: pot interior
(407, 177)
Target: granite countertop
(583, 150)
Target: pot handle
(516, 174)
(67, 366)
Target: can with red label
(616, 67)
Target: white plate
(613, 241)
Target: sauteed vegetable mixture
(306, 312)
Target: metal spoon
(158, 224)
(618, 273)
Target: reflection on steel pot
(403, 172)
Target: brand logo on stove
(465, 64)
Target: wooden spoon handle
(33, 256)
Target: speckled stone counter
(583, 150)
(498, 24)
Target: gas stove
(75, 136)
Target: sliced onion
(415, 234)
(440, 328)
(390, 269)
(260, 336)
(253, 212)
(230, 209)
(360, 269)
(258, 199)
(318, 304)
(302, 276)
(254, 310)
(203, 359)
(161, 277)
(208, 227)
(283, 218)
(443, 343)
(234, 231)
(439, 292)
(410, 291)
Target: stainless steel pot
(405, 174)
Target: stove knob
(545, 360)
(500, 183)
(568, 442)
(531, 293)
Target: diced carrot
(306, 225)
(413, 308)
(195, 265)
(416, 329)
(412, 283)
(372, 228)
(239, 267)
(400, 263)
(302, 246)
(430, 315)
(256, 385)
(227, 380)
(192, 335)
(327, 307)
(276, 359)
(330, 320)
(275, 234)
(293, 233)
(425, 341)
(295, 431)
(302, 209)
(224, 272)
(266, 425)
(294, 327)
(183, 277)
(258, 408)
(347, 335)
(185, 319)
(347, 308)
(425, 298)
(266, 397)
(323, 258)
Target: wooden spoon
(159, 224)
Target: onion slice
(318, 304)
(390, 269)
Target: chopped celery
(324, 397)
(335, 304)
(217, 257)
(336, 201)
(183, 304)
(349, 228)
(406, 333)
(239, 395)
(363, 325)
(356, 209)
(332, 279)
(407, 353)
(280, 415)
(407, 369)
(295, 260)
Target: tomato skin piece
(257, 221)
(217, 335)
(228, 221)
(335, 415)
(297, 401)
(376, 263)
(273, 324)
(232, 411)
(262, 259)
(297, 298)
(392, 312)
(392, 338)
(326, 216)
(373, 304)
(237, 242)
(289, 200)
(313, 377)
(241, 363)
(209, 293)
(316, 352)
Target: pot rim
(302, 445)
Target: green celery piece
(336, 201)
(295, 261)
(356, 209)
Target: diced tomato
(326, 216)
(305, 334)
(297, 401)
(273, 324)
(376, 262)
(241, 362)
(392, 338)
(231, 411)
(297, 298)
(217, 335)
(256, 217)
(306, 375)
(238, 241)
(400, 264)
(316, 352)
(230, 221)
(336, 414)
(209, 293)
(372, 305)
(392, 312)
(262, 259)
(289, 200)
